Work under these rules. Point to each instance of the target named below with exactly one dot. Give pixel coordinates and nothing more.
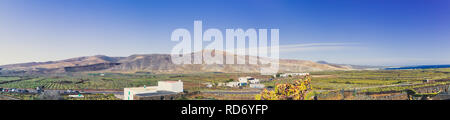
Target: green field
(115, 80)
(373, 80)
(4, 79)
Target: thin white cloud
(316, 47)
(308, 47)
(293, 48)
(319, 44)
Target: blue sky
(366, 32)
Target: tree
(214, 84)
(299, 90)
(278, 75)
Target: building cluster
(291, 74)
(242, 81)
(166, 90)
(38, 90)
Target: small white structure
(248, 80)
(77, 96)
(233, 84)
(221, 84)
(208, 84)
(244, 79)
(293, 74)
(254, 81)
(259, 86)
(172, 86)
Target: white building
(128, 93)
(248, 80)
(76, 96)
(171, 86)
(254, 81)
(233, 84)
(244, 79)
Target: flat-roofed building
(233, 84)
(128, 93)
(163, 88)
(247, 79)
(254, 81)
(244, 79)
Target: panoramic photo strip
(224, 53)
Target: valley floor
(327, 84)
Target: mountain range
(161, 63)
